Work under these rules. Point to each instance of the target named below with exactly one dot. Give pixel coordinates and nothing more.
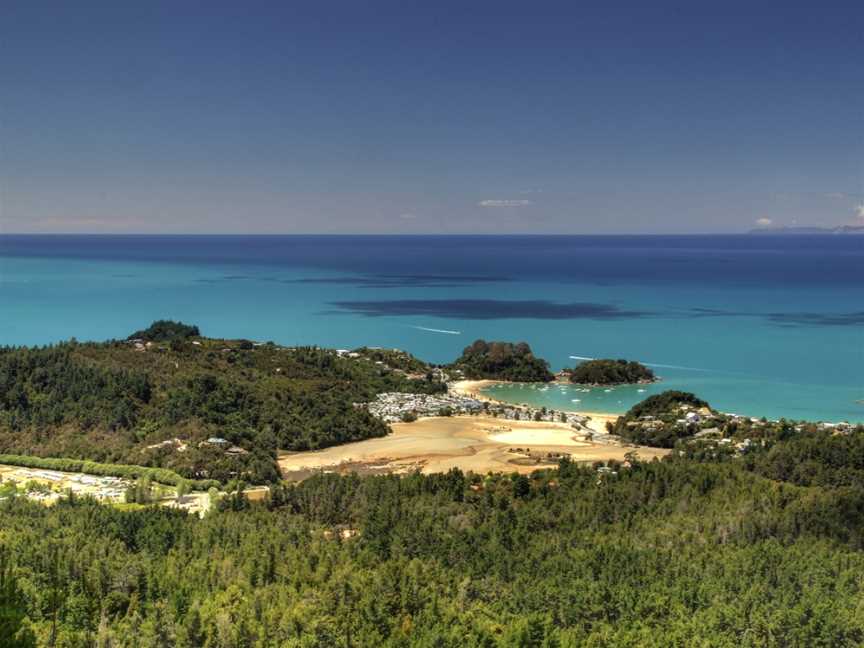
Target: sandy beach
(474, 389)
(470, 443)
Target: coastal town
(395, 407)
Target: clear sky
(438, 117)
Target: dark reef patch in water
(404, 280)
(817, 319)
(488, 309)
(375, 280)
(788, 319)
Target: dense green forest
(751, 533)
(657, 420)
(502, 361)
(165, 331)
(117, 402)
(702, 549)
(664, 402)
(609, 372)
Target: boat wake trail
(434, 330)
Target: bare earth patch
(539, 436)
(475, 443)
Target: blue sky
(439, 117)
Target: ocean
(757, 325)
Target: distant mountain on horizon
(783, 230)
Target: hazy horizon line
(376, 234)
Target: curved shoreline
(478, 443)
(474, 389)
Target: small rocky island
(607, 371)
(484, 360)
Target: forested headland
(228, 404)
(663, 419)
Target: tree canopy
(609, 372)
(121, 404)
(165, 331)
(753, 539)
(665, 402)
(682, 552)
(660, 420)
(502, 361)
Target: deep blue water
(758, 325)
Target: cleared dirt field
(478, 444)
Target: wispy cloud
(504, 203)
(859, 211)
(408, 216)
(764, 222)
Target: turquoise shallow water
(728, 397)
(760, 326)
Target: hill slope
(126, 401)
